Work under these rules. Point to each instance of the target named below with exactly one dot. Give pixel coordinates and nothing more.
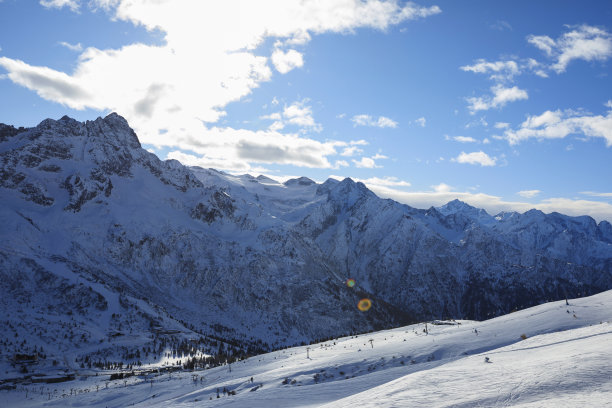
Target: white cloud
(536, 67)
(359, 142)
(481, 121)
(236, 149)
(351, 151)
(560, 124)
(351, 148)
(501, 96)
(72, 47)
(583, 42)
(48, 84)
(386, 181)
(341, 163)
(442, 188)
(367, 120)
(499, 70)
(286, 61)
(421, 121)
(208, 59)
(464, 139)
(71, 4)
(479, 157)
(297, 114)
(506, 70)
(529, 193)
(596, 194)
(276, 125)
(272, 116)
(300, 114)
(366, 163)
(543, 42)
(299, 38)
(383, 122)
(501, 125)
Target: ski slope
(565, 360)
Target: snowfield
(552, 355)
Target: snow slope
(564, 360)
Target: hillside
(563, 361)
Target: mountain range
(104, 245)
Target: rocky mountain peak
(456, 205)
(301, 181)
(115, 129)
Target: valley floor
(552, 355)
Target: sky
(504, 105)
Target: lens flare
(364, 305)
(350, 282)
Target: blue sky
(505, 105)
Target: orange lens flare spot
(364, 305)
(350, 283)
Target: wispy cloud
(505, 71)
(463, 139)
(501, 125)
(71, 4)
(596, 194)
(529, 193)
(72, 47)
(367, 120)
(498, 70)
(421, 121)
(501, 25)
(351, 151)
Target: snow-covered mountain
(104, 246)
